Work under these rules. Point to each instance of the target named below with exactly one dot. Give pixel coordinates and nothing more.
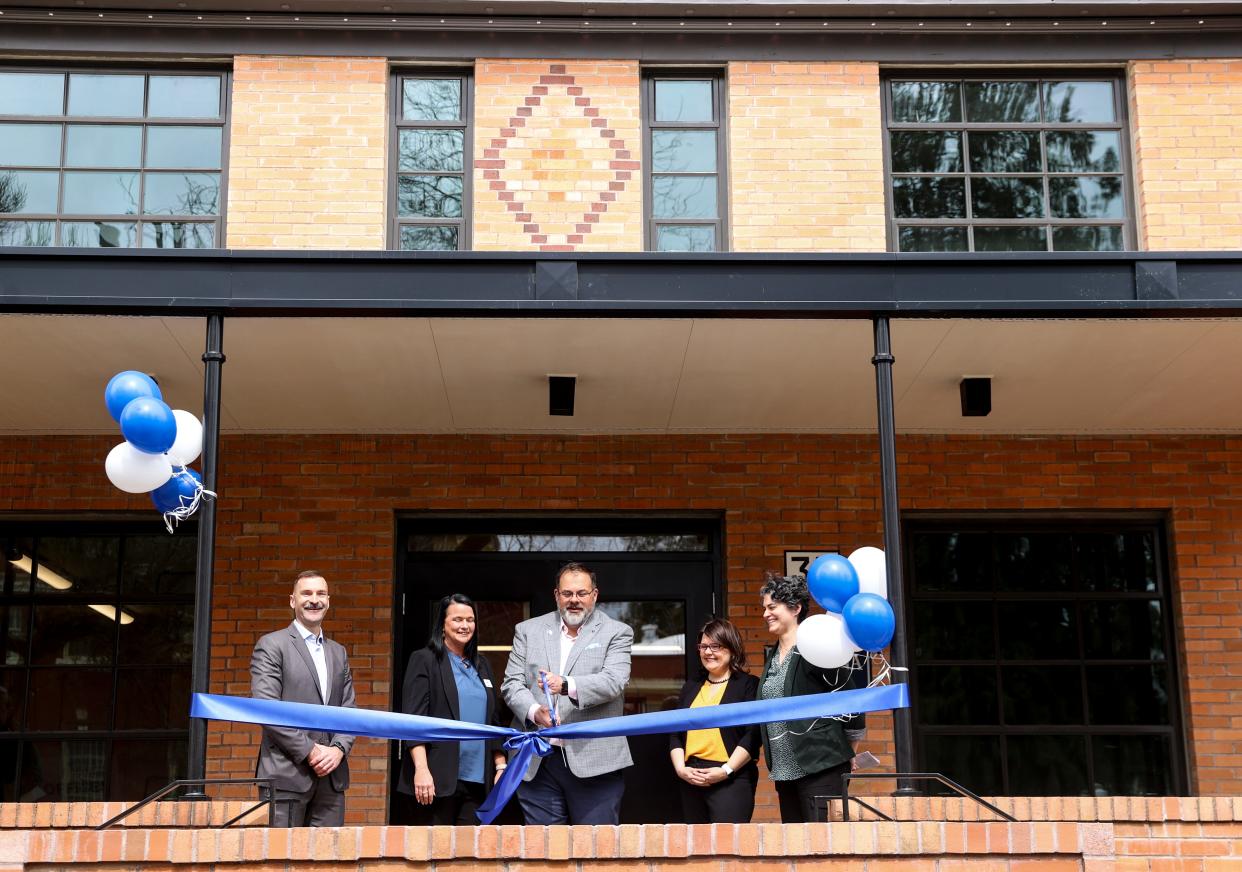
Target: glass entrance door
(659, 576)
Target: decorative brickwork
(558, 163)
(806, 157)
(306, 153)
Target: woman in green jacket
(806, 758)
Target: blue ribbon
(415, 728)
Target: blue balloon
(832, 580)
(127, 386)
(149, 425)
(869, 621)
(168, 496)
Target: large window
(95, 679)
(684, 183)
(1007, 164)
(1043, 658)
(106, 159)
(432, 180)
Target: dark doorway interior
(661, 575)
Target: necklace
(724, 680)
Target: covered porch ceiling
(642, 376)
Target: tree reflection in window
(684, 179)
(431, 183)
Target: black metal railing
(846, 798)
(265, 797)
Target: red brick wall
(290, 502)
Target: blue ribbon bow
(416, 728)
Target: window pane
(30, 145)
(683, 101)
(683, 196)
(1042, 694)
(926, 102)
(12, 702)
(553, 542)
(97, 145)
(178, 234)
(972, 761)
(73, 770)
(70, 635)
(929, 197)
(140, 767)
(1034, 561)
(1011, 239)
(953, 561)
(1001, 101)
(77, 564)
(428, 237)
(1079, 101)
(153, 699)
(1132, 765)
(1127, 629)
(184, 97)
(182, 194)
(952, 695)
(691, 237)
(1047, 766)
(1009, 151)
(1128, 695)
(16, 620)
(30, 192)
(429, 196)
(431, 99)
(1088, 238)
(69, 699)
(98, 234)
(683, 151)
(953, 631)
(432, 150)
(101, 193)
(157, 635)
(1097, 151)
(926, 152)
(105, 96)
(159, 565)
(1117, 561)
(1038, 630)
(32, 94)
(18, 554)
(994, 197)
(932, 239)
(184, 147)
(27, 233)
(1086, 196)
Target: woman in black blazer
(716, 767)
(446, 782)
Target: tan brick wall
(806, 160)
(306, 159)
(557, 156)
(1186, 118)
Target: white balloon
(189, 442)
(823, 641)
(134, 471)
(872, 570)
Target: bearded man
(577, 659)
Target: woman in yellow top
(717, 767)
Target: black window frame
(465, 123)
(139, 219)
(719, 80)
(1010, 523)
(1120, 125)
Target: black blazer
(742, 687)
(429, 690)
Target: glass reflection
(182, 194)
(105, 193)
(956, 695)
(429, 196)
(442, 150)
(1011, 239)
(953, 631)
(32, 93)
(1132, 765)
(184, 97)
(683, 151)
(1086, 196)
(1124, 629)
(1066, 102)
(25, 233)
(1047, 765)
(1042, 694)
(683, 196)
(1037, 562)
(1003, 197)
(1011, 102)
(30, 145)
(681, 101)
(958, 561)
(98, 145)
(431, 99)
(184, 147)
(1038, 630)
(105, 96)
(140, 767)
(932, 239)
(1088, 238)
(929, 197)
(22, 191)
(428, 237)
(162, 566)
(98, 234)
(1096, 151)
(938, 151)
(69, 699)
(1128, 695)
(692, 237)
(178, 234)
(543, 542)
(926, 102)
(972, 761)
(1008, 151)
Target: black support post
(200, 677)
(883, 360)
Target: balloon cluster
(160, 444)
(854, 592)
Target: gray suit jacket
(599, 663)
(281, 668)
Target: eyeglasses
(574, 594)
(710, 649)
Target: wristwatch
(727, 769)
(339, 747)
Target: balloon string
(174, 517)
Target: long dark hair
(435, 643)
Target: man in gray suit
(584, 657)
(297, 664)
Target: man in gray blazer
(309, 769)
(584, 657)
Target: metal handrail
(915, 776)
(265, 799)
